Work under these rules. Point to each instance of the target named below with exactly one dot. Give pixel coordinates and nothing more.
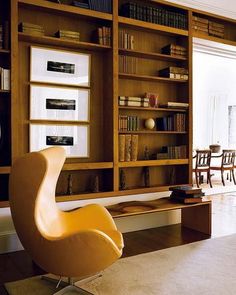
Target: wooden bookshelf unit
(103, 173)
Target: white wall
(214, 89)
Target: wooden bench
(194, 216)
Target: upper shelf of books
(66, 9)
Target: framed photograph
(59, 67)
(74, 139)
(58, 103)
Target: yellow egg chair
(78, 243)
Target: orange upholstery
(78, 243)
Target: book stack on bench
(186, 194)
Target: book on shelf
(5, 80)
(103, 35)
(176, 122)
(200, 19)
(31, 29)
(174, 105)
(162, 16)
(126, 40)
(127, 64)
(68, 35)
(128, 147)
(174, 50)
(98, 5)
(128, 123)
(1, 36)
(175, 152)
(5, 35)
(80, 4)
(174, 73)
(133, 103)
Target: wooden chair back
(228, 158)
(203, 159)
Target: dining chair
(202, 164)
(227, 164)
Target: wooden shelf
(159, 205)
(144, 163)
(5, 91)
(87, 166)
(85, 196)
(152, 132)
(5, 51)
(215, 39)
(5, 169)
(60, 42)
(65, 9)
(130, 22)
(150, 78)
(153, 109)
(151, 55)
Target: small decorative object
(149, 123)
(146, 176)
(69, 185)
(59, 103)
(146, 153)
(73, 138)
(134, 147)
(215, 148)
(122, 180)
(153, 99)
(95, 184)
(59, 67)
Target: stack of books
(129, 123)
(200, 25)
(174, 105)
(31, 29)
(186, 194)
(128, 147)
(103, 35)
(4, 35)
(172, 152)
(161, 16)
(126, 40)
(68, 35)
(174, 50)
(174, 73)
(133, 101)
(216, 29)
(127, 64)
(5, 80)
(176, 122)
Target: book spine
(121, 148)
(127, 147)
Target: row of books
(172, 152)
(127, 64)
(176, 122)
(174, 50)
(155, 15)
(129, 123)
(133, 101)
(206, 27)
(174, 105)
(128, 147)
(126, 40)
(32, 29)
(5, 80)
(98, 5)
(186, 194)
(104, 35)
(4, 35)
(174, 73)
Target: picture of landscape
(59, 140)
(61, 67)
(60, 104)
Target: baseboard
(9, 242)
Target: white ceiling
(225, 8)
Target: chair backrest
(228, 158)
(203, 159)
(32, 186)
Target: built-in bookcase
(153, 26)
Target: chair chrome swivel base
(69, 285)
